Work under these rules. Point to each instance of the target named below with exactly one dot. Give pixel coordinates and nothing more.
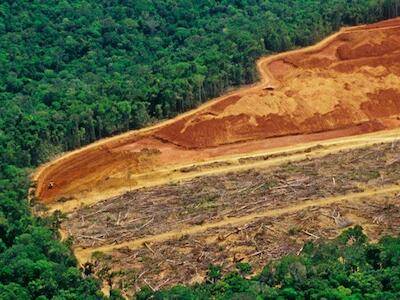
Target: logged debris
(186, 260)
(204, 199)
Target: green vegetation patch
(345, 268)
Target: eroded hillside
(346, 85)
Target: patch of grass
(294, 231)
(101, 256)
(205, 203)
(372, 174)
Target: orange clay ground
(346, 85)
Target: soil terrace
(347, 84)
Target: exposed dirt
(233, 163)
(250, 176)
(234, 194)
(347, 84)
(169, 234)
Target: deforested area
(252, 216)
(345, 85)
(151, 211)
(187, 259)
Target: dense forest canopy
(74, 71)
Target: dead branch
(378, 219)
(272, 229)
(339, 220)
(236, 231)
(392, 161)
(147, 223)
(301, 249)
(133, 256)
(161, 284)
(310, 234)
(243, 189)
(118, 219)
(148, 284)
(258, 187)
(256, 253)
(133, 220)
(91, 237)
(99, 211)
(140, 275)
(201, 256)
(148, 247)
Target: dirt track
(346, 85)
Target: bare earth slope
(347, 84)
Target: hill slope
(347, 84)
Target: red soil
(384, 103)
(347, 84)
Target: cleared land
(170, 233)
(346, 85)
(211, 199)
